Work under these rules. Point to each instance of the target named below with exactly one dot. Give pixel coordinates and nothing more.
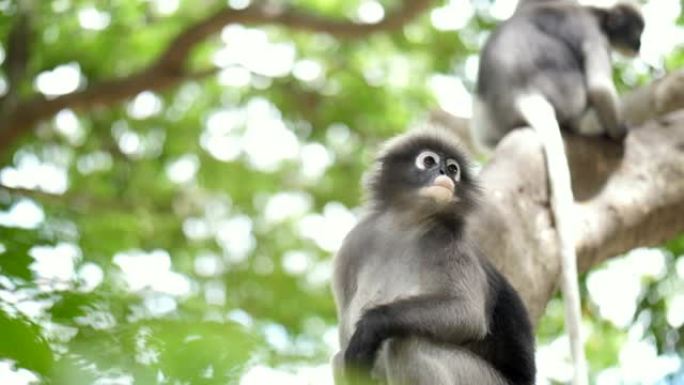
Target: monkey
(549, 66)
(557, 50)
(524, 3)
(418, 302)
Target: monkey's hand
(619, 132)
(359, 357)
(590, 125)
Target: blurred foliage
(245, 288)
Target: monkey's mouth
(627, 51)
(444, 182)
(441, 190)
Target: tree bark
(629, 195)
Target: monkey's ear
(614, 19)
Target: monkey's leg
(415, 361)
(484, 131)
(605, 105)
(601, 91)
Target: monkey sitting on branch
(548, 67)
(418, 303)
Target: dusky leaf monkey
(418, 303)
(549, 67)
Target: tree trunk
(629, 195)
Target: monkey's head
(624, 24)
(423, 171)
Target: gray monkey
(549, 67)
(418, 303)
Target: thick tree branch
(637, 199)
(27, 114)
(84, 203)
(169, 69)
(642, 204)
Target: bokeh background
(184, 234)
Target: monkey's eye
(453, 169)
(427, 159)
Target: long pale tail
(539, 114)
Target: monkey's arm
(357, 244)
(454, 319)
(601, 91)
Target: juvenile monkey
(418, 303)
(548, 67)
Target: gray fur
(389, 268)
(383, 255)
(409, 258)
(560, 50)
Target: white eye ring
(456, 174)
(427, 159)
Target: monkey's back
(538, 50)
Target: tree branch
(168, 70)
(83, 203)
(637, 199)
(27, 114)
(284, 16)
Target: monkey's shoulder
(567, 24)
(357, 248)
(360, 239)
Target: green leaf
(72, 305)
(15, 261)
(22, 342)
(203, 353)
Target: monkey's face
(437, 175)
(624, 26)
(427, 175)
